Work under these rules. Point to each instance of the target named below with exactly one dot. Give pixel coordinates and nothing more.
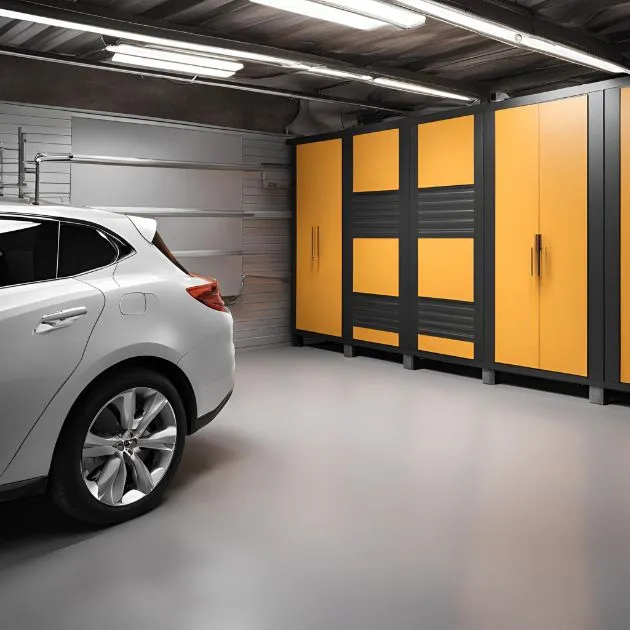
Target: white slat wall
(262, 315)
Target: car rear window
(83, 248)
(158, 241)
(28, 250)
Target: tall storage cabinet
(318, 286)
(541, 236)
(445, 226)
(374, 227)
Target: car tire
(68, 485)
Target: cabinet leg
(489, 377)
(596, 395)
(297, 341)
(411, 362)
(349, 351)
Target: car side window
(28, 250)
(83, 248)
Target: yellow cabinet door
(516, 224)
(446, 153)
(318, 244)
(564, 229)
(376, 161)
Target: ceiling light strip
(416, 88)
(571, 54)
(167, 55)
(171, 66)
(325, 12)
(389, 13)
(340, 74)
(511, 36)
(402, 86)
(462, 19)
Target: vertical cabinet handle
(312, 244)
(318, 242)
(539, 254)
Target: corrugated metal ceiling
(436, 49)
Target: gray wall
(182, 201)
(262, 314)
(58, 85)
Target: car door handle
(60, 319)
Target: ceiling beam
(60, 9)
(521, 19)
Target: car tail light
(209, 294)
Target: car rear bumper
(207, 418)
(209, 367)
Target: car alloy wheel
(129, 446)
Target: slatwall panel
(47, 131)
(262, 317)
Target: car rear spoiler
(146, 226)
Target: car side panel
(173, 326)
(35, 358)
(35, 455)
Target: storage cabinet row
(497, 236)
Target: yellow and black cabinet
(372, 229)
(544, 235)
(541, 236)
(496, 236)
(444, 220)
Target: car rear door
(45, 324)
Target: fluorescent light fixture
(171, 66)
(570, 54)
(158, 41)
(167, 55)
(340, 74)
(511, 36)
(324, 12)
(403, 86)
(463, 19)
(398, 16)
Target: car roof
(66, 212)
(118, 223)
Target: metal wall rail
(21, 162)
(104, 160)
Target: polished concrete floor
(351, 494)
